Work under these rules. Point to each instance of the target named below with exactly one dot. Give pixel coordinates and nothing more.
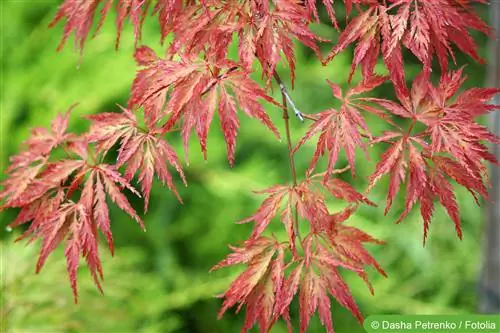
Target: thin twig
(286, 98)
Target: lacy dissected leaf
(42, 142)
(263, 31)
(450, 146)
(149, 154)
(56, 218)
(404, 161)
(426, 28)
(308, 199)
(452, 126)
(168, 11)
(79, 16)
(26, 185)
(64, 200)
(328, 4)
(141, 151)
(267, 293)
(259, 284)
(72, 222)
(152, 83)
(316, 276)
(435, 25)
(366, 28)
(31, 173)
(268, 209)
(308, 202)
(275, 26)
(347, 245)
(315, 289)
(208, 27)
(437, 186)
(114, 184)
(196, 90)
(108, 128)
(340, 129)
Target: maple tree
(60, 181)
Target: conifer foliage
(61, 183)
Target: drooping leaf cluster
(61, 181)
(61, 184)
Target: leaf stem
(285, 101)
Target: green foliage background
(158, 281)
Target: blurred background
(158, 280)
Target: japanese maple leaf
(452, 127)
(26, 185)
(42, 141)
(450, 146)
(108, 128)
(56, 217)
(195, 88)
(247, 94)
(80, 221)
(316, 276)
(30, 174)
(403, 161)
(259, 284)
(347, 245)
(316, 286)
(426, 28)
(342, 128)
(274, 29)
(196, 100)
(208, 27)
(372, 29)
(438, 186)
(406, 161)
(308, 198)
(269, 209)
(168, 11)
(263, 32)
(72, 222)
(308, 202)
(152, 83)
(435, 25)
(142, 150)
(328, 4)
(313, 192)
(149, 154)
(79, 16)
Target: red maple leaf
(267, 293)
(194, 89)
(30, 174)
(79, 222)
(258, 285)
(342, 128)
(426, 28)
(450, 145)
(142, 150)
(263, 31)
(65, 199)
(308, 198)
(79, 16)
